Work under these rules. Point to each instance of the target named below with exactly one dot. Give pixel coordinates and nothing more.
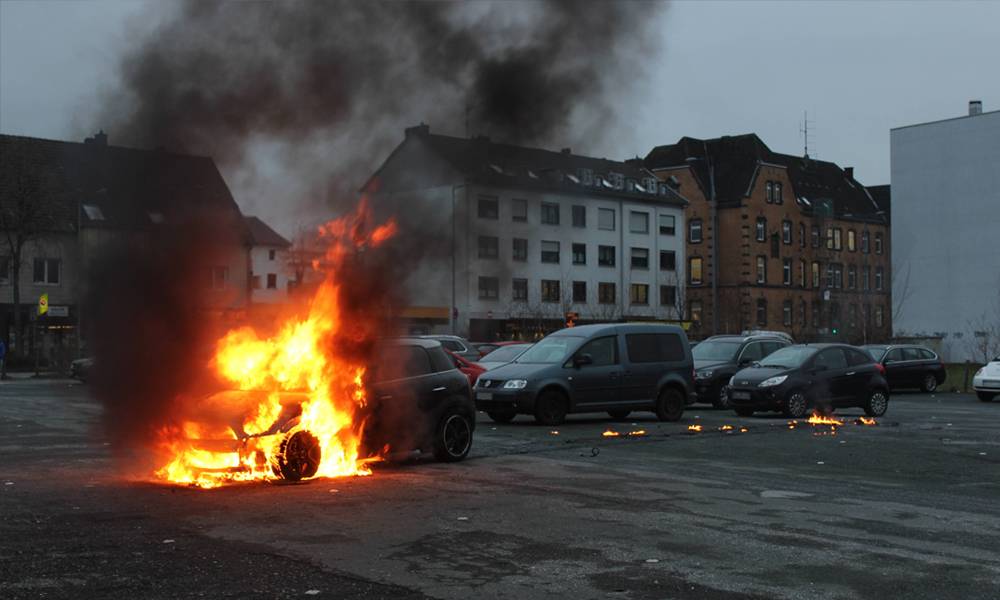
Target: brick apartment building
(795, 244)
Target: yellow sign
(43, 304)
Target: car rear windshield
(788, 358)
(716, 350)
(550, 350)
(505, 353)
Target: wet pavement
(904, 509)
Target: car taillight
(880, 367)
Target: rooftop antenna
(804, 130)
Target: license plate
(484, 395)
(740, 395)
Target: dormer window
(93, 212)
(617, 180)
(664, 189)
(586, 176)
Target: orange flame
(695, 427)
(294, 381)
(637, 433)
(726, 428)
(610, 433)
(817, 419)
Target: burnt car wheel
(929, 383)
(795, 405)
(502, 416)
(618, 415)
(877, 403)
(453, 437)
(670, 405)
(721, 399)
(744, 412)
(551, 408)
(298, 457)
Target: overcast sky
(858, 68)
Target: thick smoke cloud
(298, 101)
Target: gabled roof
(736, 159)
(882, 195)
(484, 161)
(261, 234)
(93, 185)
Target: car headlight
(773, 381)
(515, 384)
(703, 374)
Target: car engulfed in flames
(295, 399)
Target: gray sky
(859, 68)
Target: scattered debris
(463, 518)
(312, 592)
(168, 541)
(652, 560)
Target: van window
(603, 351)
(770, 347)
(753, 352)
(654, 347)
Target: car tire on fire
(453, 436)
(298, 456)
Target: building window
(837, 239)
(694, 270)
(668, 225)
(868, 314)
(579, 254)
(606, 256)
(834, 315)
(488, 207)
(802, 273)
(878, 278)
(852, 315)
(786, 313)
(4, 269)
(694, 310)
(865, 236)
(272, 281)
(519, 289)
(786, 271)
(550, 290)
(802, 235)
(761, 269)
(489, 288)
(46, 271)
(580, 292)
(638, 222)
(829, 275)
(668, 260)
(255, 282)
(816, 318)
(852, 277)
(520, 249)
(489, 247)
(668, 295)
(640, 258)
(694, 231)
(579, 216)
(638, 293)
(550, 213)
(761, 311)
(769, 192)
(815, 236)
(829, 238)
(786, 232)
(777, 193)
(606, 219)
(550, 252)
(878, 243)
(852, 241)
(879, 316)
(866, 278)
(802, 313)
(761, 229)
(815, 274)
(218, 276)
(271, 254)
(518, 210)
(606, 293)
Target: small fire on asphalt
(695, 428)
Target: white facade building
(269, 271)
(946, 230)
(526, 236)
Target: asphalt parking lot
(907, 508)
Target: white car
(987, 381)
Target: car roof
(609, 328)
(412, 341)
(747, 338)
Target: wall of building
(265, 261)
(946, 228)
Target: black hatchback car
(719, 357)
(909, 366)
(797, 378)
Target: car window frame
(571, 362)
(739, 357)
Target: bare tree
(26, 214)
(984, 343)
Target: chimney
(567, 151)
(849, 172)
(100, 139)
(420, 130)
(975, 107)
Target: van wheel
(985, 396)
(551, 408)
(618, 415)
(929, 384)
(876, 404)
(502, 416)
(453, 436)
(795, 405)
(670, 405)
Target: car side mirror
(583, 359)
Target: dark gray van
(616, 368)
